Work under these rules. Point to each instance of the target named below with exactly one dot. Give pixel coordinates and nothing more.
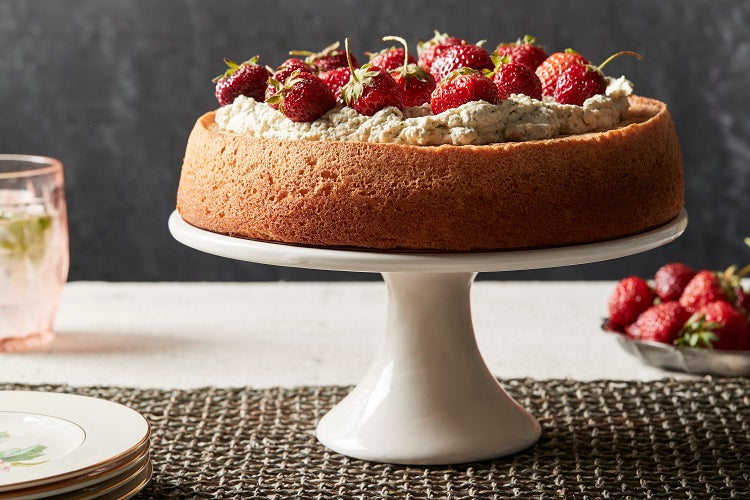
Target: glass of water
(33, 249)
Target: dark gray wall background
(113, 87)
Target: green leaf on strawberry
(233, 67)
(698, 332)
(361, 77)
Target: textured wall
(112, 87)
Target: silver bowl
(685, 359)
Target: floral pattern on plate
(19, 457)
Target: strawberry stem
(613, 56)
(406, 48)
(349, 60)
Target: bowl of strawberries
(696, 321)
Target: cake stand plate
(428, 397)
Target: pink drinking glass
(33, 249)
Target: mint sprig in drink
(23, 235)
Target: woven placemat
(683, 439)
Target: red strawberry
(460, 56)
(671, 279)
(370, 89)
(733, 334)
(415, 83)
(390, 59)
(708, 286)
(303, 97)
(515, 78)
(659, 323)
(523, 51)
(554, 66)
(717, 325)
(285, 71)
(742, 302)
(295, 63)
(704, 288)
(335, 80)
(327, 59)
(462, 86)
(430, 49)
(248, 79)
(579, 82)
(628, 300)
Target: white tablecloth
(182, 335)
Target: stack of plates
(70, 446)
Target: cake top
(454, 93)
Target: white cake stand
(428, 397)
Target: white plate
(59, 436)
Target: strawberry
(659, 323)
(515, 78)
(295, 63)
(742, 297)
(460, 56)
(327, 59)
(554, 66)
(370, 89)
(248, 79)
(462, 86)
(415, 83)
(704, 288)
(709, 286)
(335, 79)
(390, 59)
(742, 302)
(716, 325)
(580, 82)
(430, 49)
(523, 51)
(733, 281)
(628, 300)
(670, 280)
(303, 97)
(285, 71)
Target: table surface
(184, 335)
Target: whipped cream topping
(518, 118)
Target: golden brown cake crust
(567, 190)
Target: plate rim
(125, 493)
(122, 481)
(72, 484)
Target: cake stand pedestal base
(428, 397)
